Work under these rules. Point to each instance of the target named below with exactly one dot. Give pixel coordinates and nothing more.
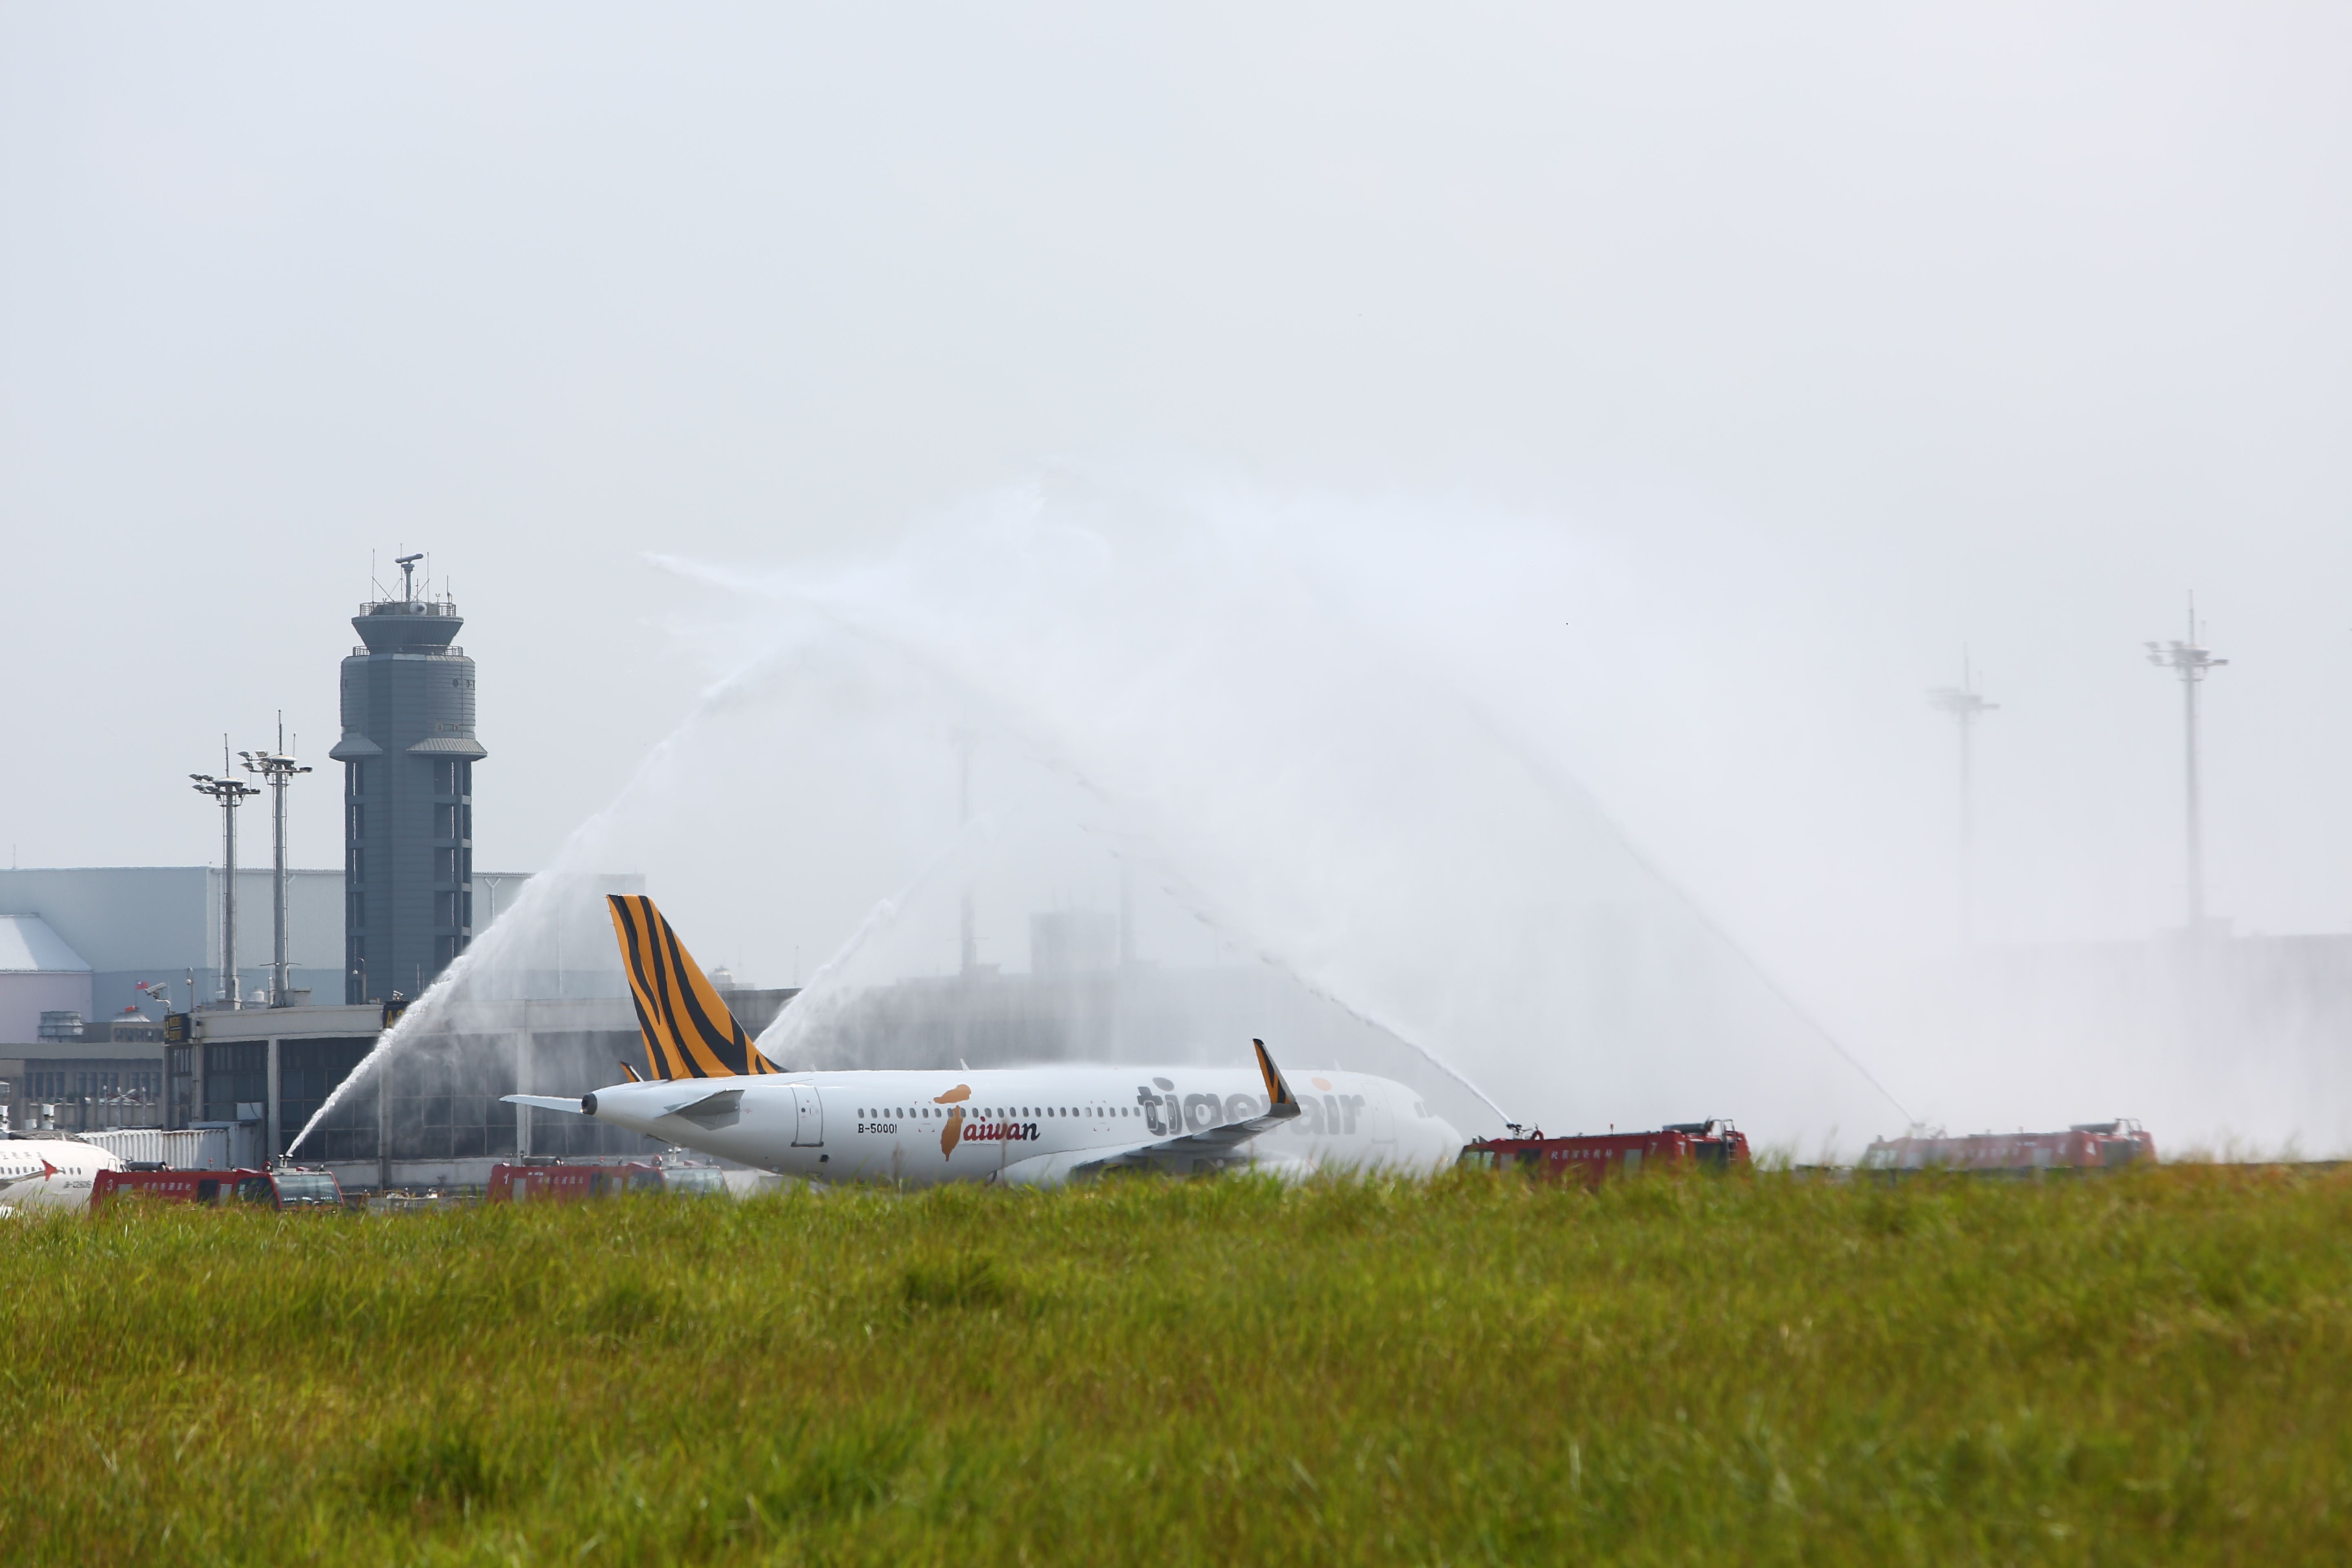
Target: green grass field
(2151, 1368)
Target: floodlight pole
(278, 770)
(1966, 707)
(231, 795)
(2190, 660)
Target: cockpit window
(306, 1187)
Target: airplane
(50, 1172)
(709, 1087)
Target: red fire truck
(289, 1187)
(1714, 1145)
(2086, 1145)
(540, 1182)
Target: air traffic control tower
(408, 753)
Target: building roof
(28, 946)
(76, 1053)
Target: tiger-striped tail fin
(689, 1031)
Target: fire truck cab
(1711, 1145)
(287, 1188)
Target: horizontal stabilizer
(545, 1102)
(712, 1110)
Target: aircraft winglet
(1279, 1102)
(1210, 1148)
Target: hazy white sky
(1843, 334)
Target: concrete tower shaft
(408, 752)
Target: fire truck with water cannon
(283, 1187)
(2085, 1146)
(1593, 1158)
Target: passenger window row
(925, 1112)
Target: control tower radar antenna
(407, 564)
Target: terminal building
(97, 964)
(93, 959)
(142, 935)
(96, 956)
(433, 1116)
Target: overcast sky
(1847, 334)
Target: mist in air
(1449, 517)
(1317, 785)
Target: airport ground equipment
(2085, 1146)
(550, 1181)
(1592, 1159)
(289, 1187)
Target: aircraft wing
(1211, 1148)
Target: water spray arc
(1337, 804)
(2190, 660)
(1567, 789)
(230, 794)
(969, 932)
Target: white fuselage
(1029, 1125)
(49, 1172)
